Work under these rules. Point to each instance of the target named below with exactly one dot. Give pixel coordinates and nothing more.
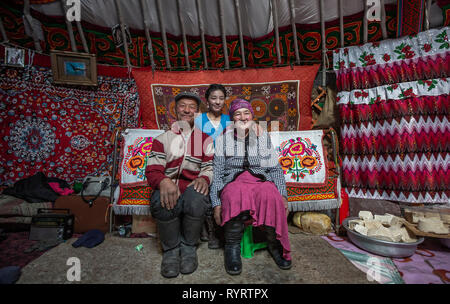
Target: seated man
(180, 171)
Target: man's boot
(192, 227)
(204, 235)
(213, 241)
(170, 237)
(276, 250)
(233, 231)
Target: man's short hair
(189, 95)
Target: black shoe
(189, 260)
(233, 231)
(279, 260)
(204, 235)
(233, 262)
(213, 241)
(170, 266)
(275, 249)
(170, 237)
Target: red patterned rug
(62, 131)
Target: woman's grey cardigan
(229, 160)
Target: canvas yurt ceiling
(256, 15)
(191, 33)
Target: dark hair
(214, 87)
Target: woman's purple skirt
(263, 201)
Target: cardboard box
(144, 223)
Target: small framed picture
(74, 68)
(14, 57)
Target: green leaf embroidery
(444, 46)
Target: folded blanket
(13, 206)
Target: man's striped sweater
(180, 159)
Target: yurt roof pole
(427, 14)
(83, 39)
(202, 32)
(2, 30)
(144, 9)
(275, 25)
(183, 32)
(69, 27)
(224, 39)
(26, 12)
(341, 22)
(383, 20)
(241, 38)
(365, 22)
(122, 29)
(294, 31)
(324, 48)
(163, 32)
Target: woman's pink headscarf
(239, 104)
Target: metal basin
(380, 247)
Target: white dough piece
(353, 223)
(432, 215)
(432, 225)
(417, 216)
(372, 225)
(382, 233)
(396, 233)
(406, 237)
(445, 217)
(361, 229)
(365, 215)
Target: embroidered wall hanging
(276, 94)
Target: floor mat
(429, 265)
(13, 250)
(122, 260)
(379, 269)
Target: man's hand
(169, 193)
(218, 215)
(200, 185)
(286, 205)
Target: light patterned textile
(136, 148)
(393, 98)
(301, 156)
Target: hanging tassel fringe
(314, 205)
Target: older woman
(249, 184)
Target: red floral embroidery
(361, 94)
(408, 93)
(367, 59)
(386, 57)
(407, 51)
(427, 47)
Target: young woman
(249, 184)
(213, 122)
